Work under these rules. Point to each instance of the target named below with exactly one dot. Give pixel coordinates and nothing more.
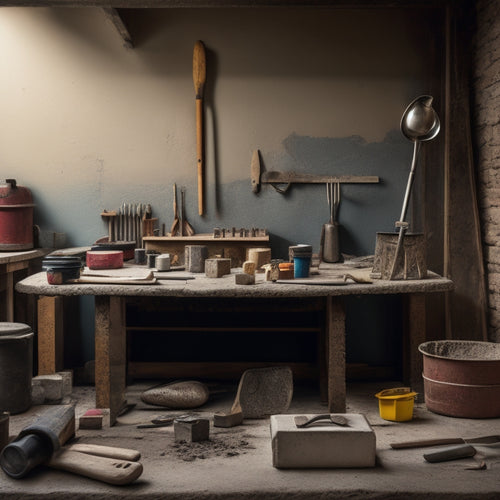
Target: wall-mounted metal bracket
(285, 179)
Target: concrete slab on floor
(237, 462)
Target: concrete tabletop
(7, 257)
(201, 286)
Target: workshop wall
(88, 124)
(487, 138)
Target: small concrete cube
(248, 267)
(91, 419)
(323, 444)
(244, 279)
(192, 430)
(194, 258)
(216, 268)
(67, 382)
(37, 392)
(52, 386)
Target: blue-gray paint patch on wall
(295, 217)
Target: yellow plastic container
(396, 404)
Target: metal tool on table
(186, 227)
(328, 418)
(329, 244)
(419, 123)
(174, 229)
(199, 79)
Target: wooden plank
(341, 4)
(213, 370)
(50, 335)
(222, 329)
(17, 266)
(110, 354)
(116, 19)
(464, 263)
(335, 332)
(414, 334)
(295, 178)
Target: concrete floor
(237, 462)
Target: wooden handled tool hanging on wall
(199, 78)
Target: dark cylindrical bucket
(462, 378)
(16, 367)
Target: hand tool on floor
(199, 79)
(450, 453)
(419, 123)
(329, 243)
(41, 444)
(231, 419)
(108, 469)
(265, 391)
(161, 421)
(302, 421)
(187, 229)
(422, 443)
(174, 229)
(105, 451)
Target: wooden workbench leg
(335, 336)
(50, 335)
(414, 335)
(110, 354)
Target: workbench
(110, 320)
(11, 263)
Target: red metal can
(16, 217)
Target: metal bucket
(16, 367)
(16, 217)
(411, 264)
(462, 378)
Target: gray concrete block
(37, 392)
(67, 382)
(194, 257)
(244, 279)
(191, 429)
(52, 386)
(216, 268)
(322, 445)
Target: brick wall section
(486, 134)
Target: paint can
(301, 255)
(16, 367)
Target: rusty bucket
(462, 378)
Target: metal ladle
(419, 123)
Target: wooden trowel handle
(106, 451)
(108, 470)
(199, 152)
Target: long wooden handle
(423, 443)
(105, 451)
(199, 78)
(108, 470)
(199, 152)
